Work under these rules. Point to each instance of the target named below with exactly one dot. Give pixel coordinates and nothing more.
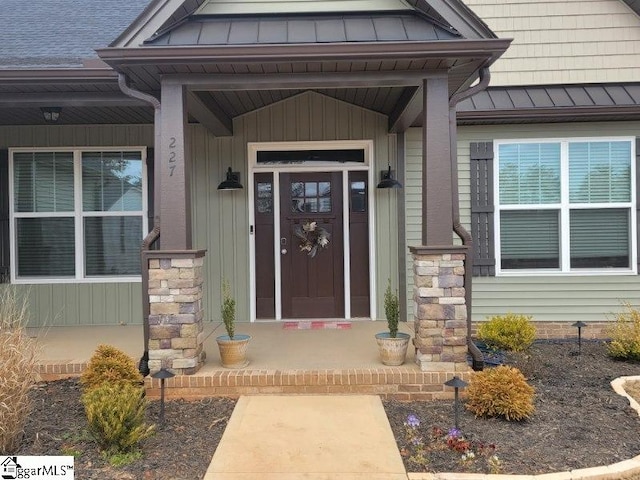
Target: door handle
(283, 251)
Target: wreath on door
(312, 237)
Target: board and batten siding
(80, 303)
(567, 298)
(221, 219)
(563, 41)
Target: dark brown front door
(312, 278)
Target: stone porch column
(440, 309)
(175, 310)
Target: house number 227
(172, 155)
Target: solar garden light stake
(457, 383)
(162, 374)
(579, 325)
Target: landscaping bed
(579, 422)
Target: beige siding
(220, 219)
(547, 298)
(229, 7)
(560, 41)
(81, 303)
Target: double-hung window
(565, 205)
(77, 214)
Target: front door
(311, 245)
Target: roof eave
(304, 52)
(541, 115)
(54, 75)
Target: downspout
(465, 236)
(154, 234)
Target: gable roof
(163, 15)
(60, 33)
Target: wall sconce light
(232, 182)
(51, 114)
(387, 180)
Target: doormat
(316, 325)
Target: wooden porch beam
(69, 99)
(284, 81)
(175, 170)
(407, 110)
(217, 123)
(437, 197)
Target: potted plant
(233, 347)
(392, 344)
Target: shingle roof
(60, 33)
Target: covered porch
(282, 360)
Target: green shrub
(18, 368)
(500, 392)
(228, 310)
(115, 414)
(108, 364)
(391, 310)
(508, 332)
(625, 335)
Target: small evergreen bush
(625, 335)
(391, 310)
(115, 414)
(18, 368)
(228, 310)
(511, 332)
(110, 365)
(500, 392)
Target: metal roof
(243, 30)
(552, 103)
(60, 33)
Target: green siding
(220, 219)
(81, 303)
(547, 298)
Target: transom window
(77, 214)
(566, 205)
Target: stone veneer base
(176, 330)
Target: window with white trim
(565, 205)
(77, 214)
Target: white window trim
(564, 206)
(77, 214)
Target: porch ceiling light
(51, 114)
(232, 182)
(387, 180)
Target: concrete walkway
(307, 437)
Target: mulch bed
(181, 449)
(579, 422)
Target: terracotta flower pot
(393, 351)
(233, 353)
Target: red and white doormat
(316, 325)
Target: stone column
(175, 310)
(440, 309)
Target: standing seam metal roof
(371, 27)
